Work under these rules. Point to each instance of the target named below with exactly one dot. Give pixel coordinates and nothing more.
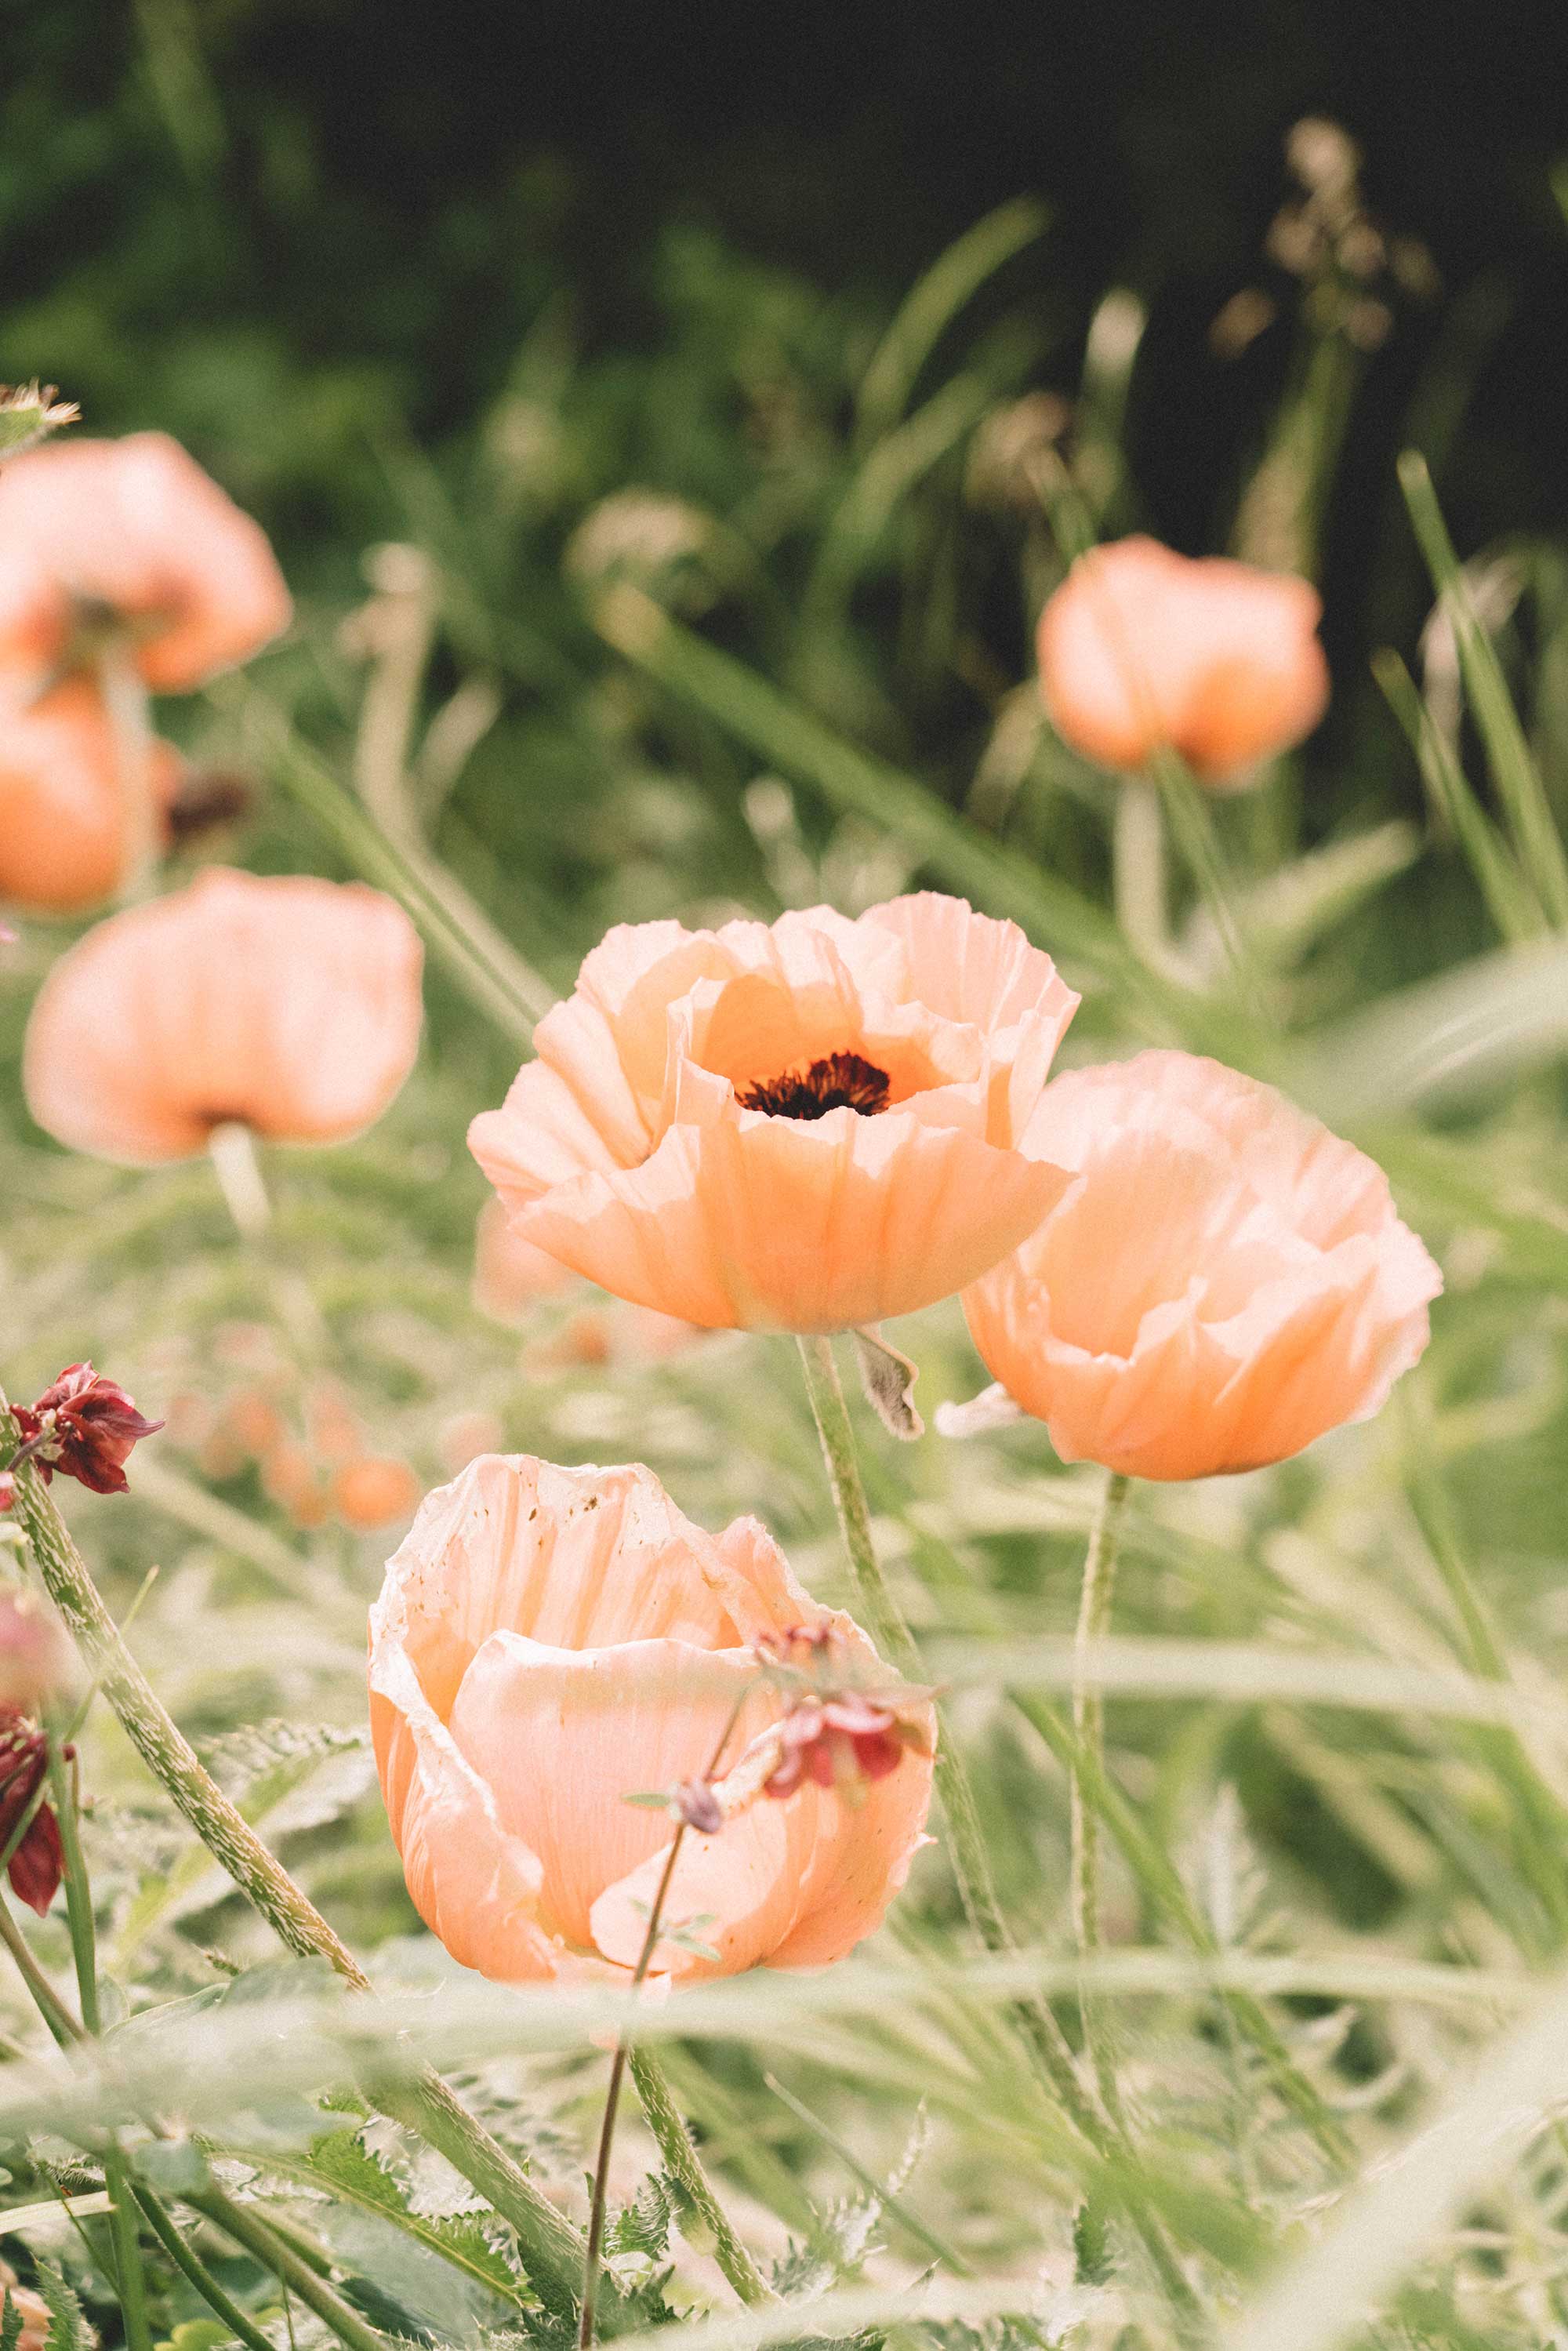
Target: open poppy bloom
(1142, 650)
(131, 536)
(288, 1005)
(1223, 1281)
(802, 1127)
(64, 804)
(552, 1641)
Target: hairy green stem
(247, 2229)
(129, 2280)
(550, 2246)
(46, 2000)
(190, 2264)
(684, 2165)
(1034, 2020)
(1089, 1723)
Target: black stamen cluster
(839, 1082)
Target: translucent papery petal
(970, 969)
(796, 1883)
(474, 1885)
(540, 1137)
(563, 1737)
(769, 1223)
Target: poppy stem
(129, 2280)
(663, 2116)
(550, 2246)
(1139, 881)
(130, 730)
(1034, 2019)
(231, 1146)
(591, 2262)
(1089, 1723)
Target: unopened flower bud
(694, 1802)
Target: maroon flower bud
(84, 1426)
(38, 1863)
(694, 1802)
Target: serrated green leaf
(68, 2330)
(340, 2161)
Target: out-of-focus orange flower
(291, 1476)
(1223, 1281)
(1142, 650)
(805, 1126)
(550, 1642)
(373, 1491)
(290, 1006)
(63, 800)
(131, 536)
(35, 1657)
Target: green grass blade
(932, 305)
(1514, 772)
(1511, 902)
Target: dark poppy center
(838, 1081)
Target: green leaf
(174, 2167)
(643, 2225)
(341, 2162)
(11, 2321)
(69, 2329)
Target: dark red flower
(37, 1864)
(7, 1489)
(838, 1741)
(83, 1426)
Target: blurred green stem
(1138, 870)
(684, 2165)
(972, 1865)
(551, 2247)
(231, 1146)
(128, 2278)
(1089, 1723)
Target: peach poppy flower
(288, 1005)
(1225, 1279)
(1142, 649)
(132, 531)
(802, 1127)
(528, 1656)
(62, 798)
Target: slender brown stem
(591, 2258)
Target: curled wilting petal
(285, 1004)
(38, 1862)
(1142, 650)
(1222, 1282)
(807, 1126)
(84, 1426)
(550, 1642)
